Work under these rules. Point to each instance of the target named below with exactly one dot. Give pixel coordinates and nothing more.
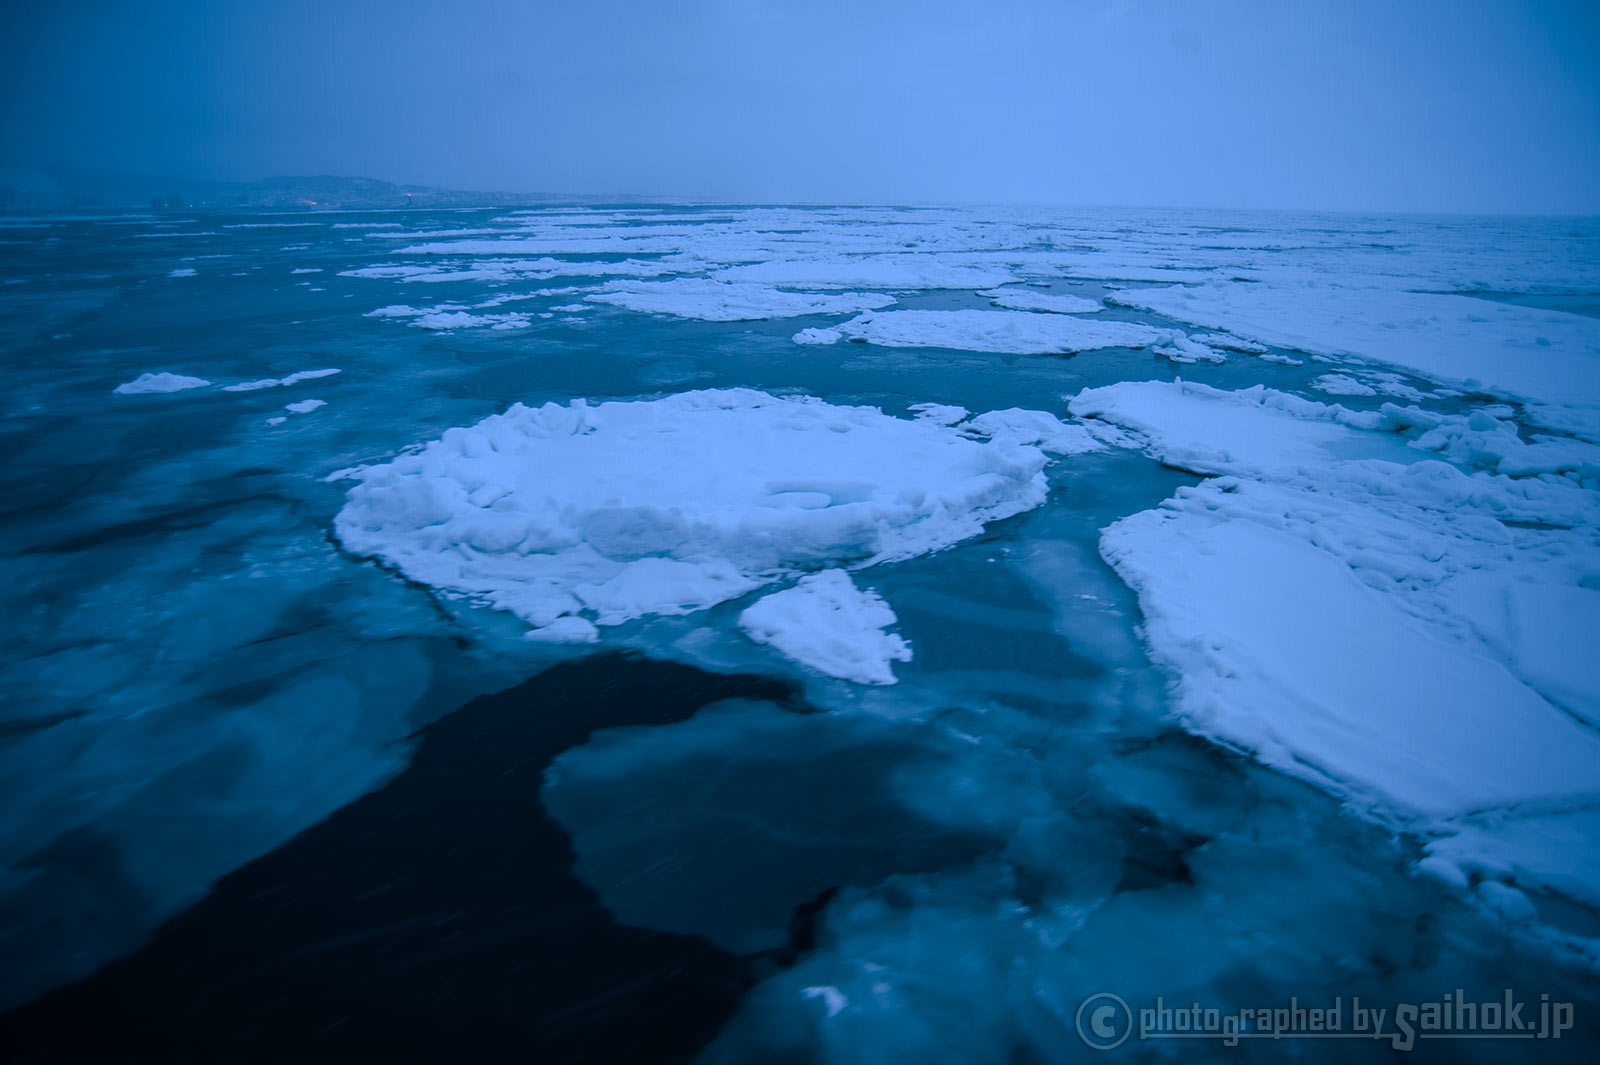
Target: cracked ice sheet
(1386, 630)
(1551, 358)
(1007, 332)
(602, 514)
(730, 301)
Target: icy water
(264, 795)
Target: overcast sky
(1453, 105)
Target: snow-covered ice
(729, 301)
(1548, 357)
(1210, 430)
(1390, 628)
(279, 382)
(829, 624)
(818, 335)
(895, 273)
(1027, 299)
(1011, 332)
(620, 510)
(159, 382)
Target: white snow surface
(1210, 430)
(159, 382)
(624, 509)
(1012, 332)
(1551, 358)
(890, 272)
(829, 624)
(1027, 299)
(818, 336)
(1407, 633)
(730, 301)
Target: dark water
(436, 918)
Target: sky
(1398, 105)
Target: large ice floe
(1349, 608)
(577, 515)
(1543, 356)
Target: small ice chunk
(829, 624)
(566, 629)
(1338, 384)
(1229, 341)
(817, 336)
(305, 406)
(1021, 299)
(1180, 348)
(1039, 428)
(938, 413)
(183, 271)
(831, 997)
(278, 382)
(451, 320)
(159, 382)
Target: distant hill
(29, 188)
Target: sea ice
(1549, 357)
(1183, 349)
(729, 301)
(907, 272)
(1230, 342)
(1278, 647)
(1011, 332)
(1338, 384)
(1209, 430)
(668, 506)
(1017, 426)
(1023, 299)
(1399, 631)
(278, 382)
(829, 624)
(159, 382)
